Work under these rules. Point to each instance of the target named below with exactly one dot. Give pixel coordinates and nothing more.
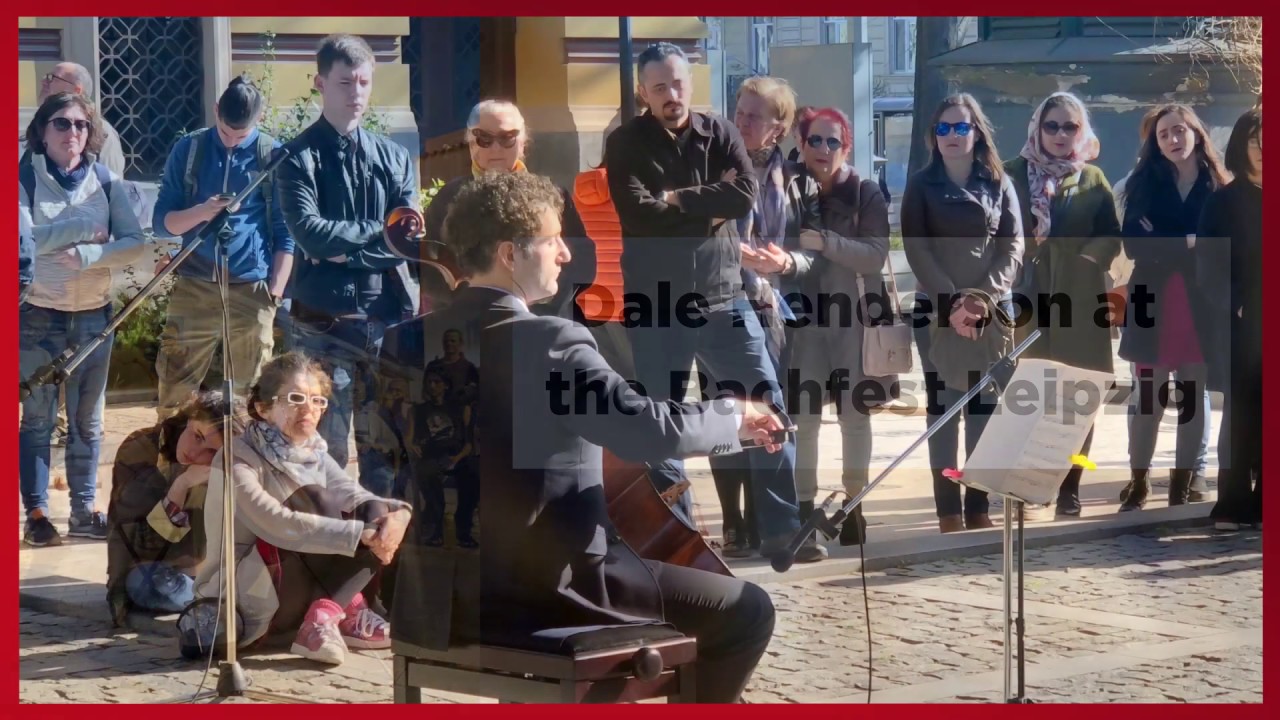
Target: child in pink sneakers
(308, 538)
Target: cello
(641, 515)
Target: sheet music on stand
(1026, 449)
(1042, 420)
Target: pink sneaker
(319, 639)
(364, 629)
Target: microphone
(785, 558)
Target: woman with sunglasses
(1178, 169)
(308, 538)
(1229, 264)
(498, 141)
(961, 229)
(85, 230)
(1069, 215)
(850, 260)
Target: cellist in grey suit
(549, 563)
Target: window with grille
(152, 86)
(902, 45)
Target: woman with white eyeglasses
(308, 538)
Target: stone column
(215, 51)
(80, 45)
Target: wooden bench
(612, 665)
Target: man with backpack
(205, 170)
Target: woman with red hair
(850, 257)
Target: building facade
(156, 78)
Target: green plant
(427, 194)
(137, 339)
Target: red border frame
(1271, 395)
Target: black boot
(1069, 493)
(1139, 489)
(1179, 487)
(854, 529)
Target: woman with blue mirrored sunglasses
(961, 230)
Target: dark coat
(333, 214)
(856, 243)
(1228, 255)
(957, 238)
(1084, 222)
(680, 246)
(549, 557)
(1157, 255)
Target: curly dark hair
(494, 208)
(54, 105)
(278, 371)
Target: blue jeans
(944, 444)
(348, 349)
(42, 335)
(730, 348)
(1147, 407)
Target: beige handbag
(886, 349)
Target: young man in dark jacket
(675, 177)
(336, 191)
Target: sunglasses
(62, 124)
(319, 402)
(1051, 127)
(817, 141)
(486, 139)
(944, 129)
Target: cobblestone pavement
(1164, 616)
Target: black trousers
(1240, 451)
(309, 577)
(732, 620)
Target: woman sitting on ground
(155, 521)
(308, 538)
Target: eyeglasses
(1053, 128)
(62, 124)
(318, 402)
(50, 77)
(486, 139)
(944, 129)
(817, 141)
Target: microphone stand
(231, 678)
(1000, 373)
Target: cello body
(646, 522)
(642, 517)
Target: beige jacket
(260, 491)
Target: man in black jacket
(551, 571)
(675, 177)
(336, 191)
